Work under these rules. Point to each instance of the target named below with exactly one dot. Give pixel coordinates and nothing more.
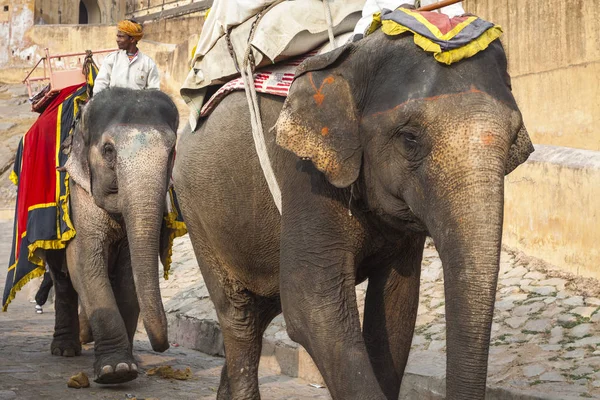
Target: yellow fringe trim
(14, 178)
(176, 229)
(19, 285)
(450, 56)
(55, 244)
(375, 24)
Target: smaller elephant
(121, 155)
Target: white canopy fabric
(290, 28)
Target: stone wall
(552, 209)
(554, 62)
(16, 17)
(67, 11)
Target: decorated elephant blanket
(42, 217)
(449, 39)
(275, 79)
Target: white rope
(258, 135)
(329, 23)
(256, 121)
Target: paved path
(29, 371)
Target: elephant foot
(108, 372)
(85, 330)
(65, 348)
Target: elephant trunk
(469, 244)
(143, 206)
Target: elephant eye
(409, 142)
(108, 152)
(409, 138)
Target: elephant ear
(319, 120)
(519, 151)
(77, 164)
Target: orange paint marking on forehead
(487, 138)
(318, 96)
(325, 131)
(472, 90)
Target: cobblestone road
(545, 336)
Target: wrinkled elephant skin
(376, 147)
(119, 167)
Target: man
(128, 67)
(42, 294)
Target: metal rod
(438, 5)
(81, 54)
(34, 67)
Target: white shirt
(374, 6)
(117, 71)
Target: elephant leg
(66, 324)
(390, 313)
(243, 317)
(124, 289)
(319, 305)
(85, 330)
(87, 260)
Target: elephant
(376, 147)
(120, 163)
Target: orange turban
(130, 28)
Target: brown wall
(67, 11)
(13, 24)
(174, 30)
(551, 202)
(553, 48)
(552, 208)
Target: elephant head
(425, 147)
(122, 155)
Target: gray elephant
(379, 146)
(119, 166)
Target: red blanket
(41, 213)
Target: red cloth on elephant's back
(41, 211)
(37, 182)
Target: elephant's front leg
(391, 310)
(66, 324)
(319, 304)
(87, 260)
(124, 287)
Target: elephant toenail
(107, 369)
(122, 367)
(69, 353)
(134, 367)
(56, 352)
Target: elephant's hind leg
(243, 317)
(66, 326)
(390, 312)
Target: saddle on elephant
(269, 31)
(449, 39)
(42, 212)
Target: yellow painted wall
(554, 61)
(67, 11)
(552, 208)
(15, 21)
